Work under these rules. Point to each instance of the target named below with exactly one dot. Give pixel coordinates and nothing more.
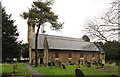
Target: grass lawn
(0, 67)
(70, 70)
(7, 69)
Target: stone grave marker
(63, 66)
(117, 63)
(59, 64)
(114, 76)
(86, 61)
(102, 65)
(14, 68)
(82, 63)
(51, 66)
(79, 61)
(79, 73)
(93, 63)
(77, 65)
(96, 63)
(88, 64)
(110, 62)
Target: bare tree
(106, 26)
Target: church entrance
(41, 60)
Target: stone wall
(64, 56)
(39, 54)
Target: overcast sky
(74, 14)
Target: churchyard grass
(21, 69)
(0, 67)
(70, 70)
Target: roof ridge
(62, 37)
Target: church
(64, 49)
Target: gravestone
(50, 66)
(96, 63)
(79, 61)
(5, 64)
(14, 68)
(93, 63)
(110, 62)
(77, 65)
(82, 63)
(114, 76)
(59, 64)
(79, 73)
(102, 65)
(70, 62)
(63, 66)
(117, 63)
(88, 64)
(86, 61)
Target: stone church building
(65, 49)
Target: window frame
(82, 55)
(56, 55)
(69, 55)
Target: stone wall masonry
(64, 56)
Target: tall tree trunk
(36, 39)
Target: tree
(0, 31)
(10, 46)
(86, 38)
(112, 49)
(39, 15)
(106, 26)
(25, 50)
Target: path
(34, 72)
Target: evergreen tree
(86, 38)
(10, 46)
(25, 50)
(112, 49)
(39, 15)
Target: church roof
(64, 43)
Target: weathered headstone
(14, 68)
(50, 66)
(5, 64)
(86, 61)
(93, 63)
(59, 64)
(114, 76)
(102, 65)
(82, 63)
(88, 64)
(110, 62)
(96, 63)
(79, 73)
(117, 63)
(63, 66)
(79, 61)
(77, 65)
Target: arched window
(93, 54)
(69, 55)
(56, 55)
(81, 55)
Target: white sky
(74, 14)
